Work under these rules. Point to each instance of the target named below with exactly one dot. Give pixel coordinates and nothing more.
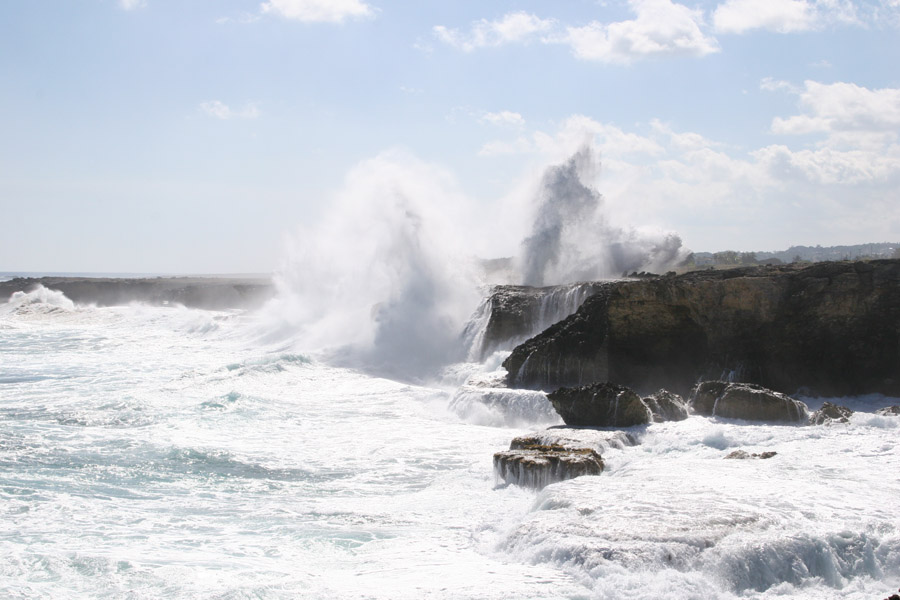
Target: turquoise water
(168, 453)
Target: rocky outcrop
(831, 413)
(537, 466)
(514, 313)
(610, 405)
(746, 401)
(833, 328)
(890, 411)
(214, 293)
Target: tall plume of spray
(383, 283)
(386, 282)
(571, 239)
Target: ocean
(167, 452)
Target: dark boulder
(831, 413)
(600, 405)
(746, 401)
(666, 406)
(889, 411)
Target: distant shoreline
(195, 291)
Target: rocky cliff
(833, 328)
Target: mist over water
(381, 284)
(571, 239)
(387, 281)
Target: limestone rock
(746, 401)
(575, 438)
(537, 466)
(831, 327)
(831, 413)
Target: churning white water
(162, 452)
(336, 444)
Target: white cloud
(660, 28)
(219, 110)
(720, 197)
(773, 85)
(504, 117)
(848, 115)
(512, 27)
(318, 11)
(782, 16)
(132, 4)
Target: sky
(190, 136)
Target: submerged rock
(743, 454)
(889, 411)
(537, 466)
(600, 405)
(666, 406)
(831, 413)
(746, 401)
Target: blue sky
(197, 136)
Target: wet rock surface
(831, 413)
(743, 455)
(600, 405)
(746, 401)
(889, 411)
(514, 313)
(611, 405)
(537, 465)
(831, 327)
(666, 406)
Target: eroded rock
(832, 327)
(600, 405)
(537, 465)
(831, 413)
(666, 406)
(746, 401)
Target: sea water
(150, 452)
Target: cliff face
(514, 313)
(831, 327)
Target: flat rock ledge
(538, 459)
(537, 466)
(746, 401)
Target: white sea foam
(151, 452)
